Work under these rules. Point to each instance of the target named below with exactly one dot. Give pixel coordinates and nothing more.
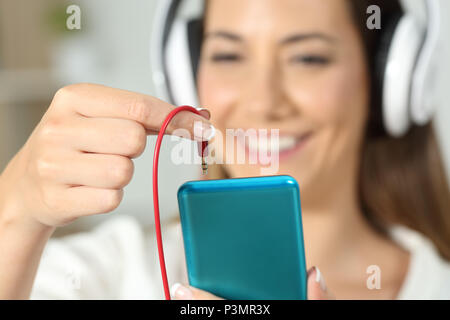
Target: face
(293, 65)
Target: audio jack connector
(203, 152)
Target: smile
(287, 145)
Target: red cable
(162, 263)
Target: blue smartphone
(243, 238)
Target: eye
(225, 57)
(310, 60)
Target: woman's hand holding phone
(317, 289)
(75, 163)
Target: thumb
(186, 292)
(317, 288)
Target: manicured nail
(319, 279)
(204, 131)
(204, 110)
(180, 292)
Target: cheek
(344, 105)
(335, 99)
(216, 93)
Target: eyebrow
(297, 37)
(307, 36)
(224, 34)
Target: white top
(119, 260)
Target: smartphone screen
(243, 238)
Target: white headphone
(408, 79)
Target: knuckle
(44, 167)
(139, 109)
(112, 200)
(136, 140)
(60, 94)
(64, 92)
(122, 172)
(59, 99)
(52, 129)
(67, 93)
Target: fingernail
(204, 110)
(319, 279)
(180, 292)
(204, 131)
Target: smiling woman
(371, 203)
(312, 70)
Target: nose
(263, 95)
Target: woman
(257, 70)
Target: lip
(301, 141)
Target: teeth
(265, 145)
(287, 143)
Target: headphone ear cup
(424, 83)
(400, 62)
(378, 70)
(383, 49)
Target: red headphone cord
(204, 146)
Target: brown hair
(402, 180)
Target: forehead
(252, 16)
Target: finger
(70, 203)
(203, 295)
(186, 292)
(102, 171)
(88, 201)
(205, 113)
(103, 102)
(108, 136)
(317, 289)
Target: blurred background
(38, 55)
